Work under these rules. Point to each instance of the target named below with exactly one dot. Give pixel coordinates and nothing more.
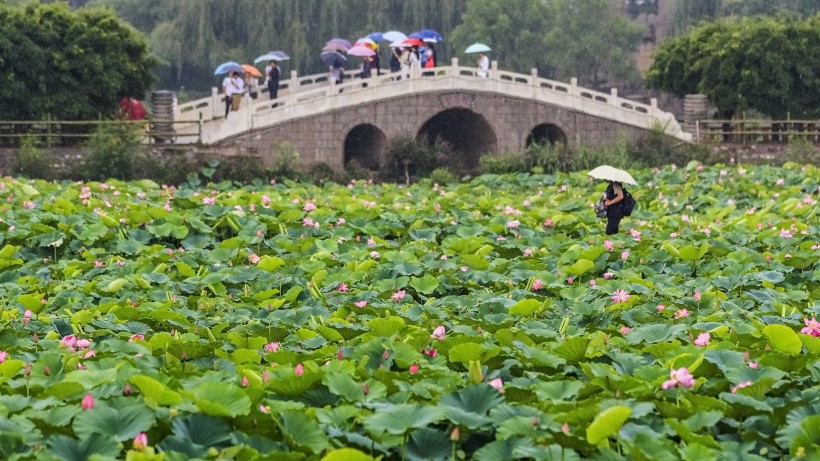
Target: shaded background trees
(69, 65)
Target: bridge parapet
(316, 94)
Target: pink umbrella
(360, 51)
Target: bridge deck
(310, 95)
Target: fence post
(199, 134)
(48, 131)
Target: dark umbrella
(334, 59)
(376, 37)
(428, 34)
(339, 41)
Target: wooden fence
(62, 133)
(757, 131)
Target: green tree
(592, 41)
(69, 65)
(763, 63)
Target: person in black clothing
(614, 212)
(395, 64)
(377, 62)
(273, 82)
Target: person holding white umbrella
(483, 61)
(614, 195)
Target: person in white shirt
(232, 85)
(483, 65)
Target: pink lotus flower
(625, 330)
(741, 386)
(697, 296)
(660, 307)
(548, 222)
(307, 222)
(570, 280)
(455, 435)
(429, 352)
(608, 275)
(703, 339)
(681, 313)
(620, 296)
(140, 441)
(609, 245)
(3, 356)
(254, 258)
(342, 288)
(264, 409)
(245, 382)
(371, 242)
(527, 253)
(340, 354)
(209, 200)
(812, 327)
(309, 206)
(680, 377)
(753, 365)
(464, 268)
(497, 384)
(398, 296)
(299, 370)
(88, 402)
(537, 285)
(780, 181)
(439, 333)
(375, 254)
(27, 316)
(592, 283)
(624, 255)
(272, 347)
(360, 304)
(513, 224)
(414, 369)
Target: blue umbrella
(427, 34)
(376, 37)
(272, 56)
(228, 67)
(334, 59)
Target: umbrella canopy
(477, 48)
(249, 69)
(394, 36)
(427, 33)
(361, 50)
(339, 41)
(228, 67)
(272, 56)
(376, 36)
(398, 44)
(334, 59)
(412, 42)
(339, 47)
(609, 173)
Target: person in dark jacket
(614, 211)
(273, 82)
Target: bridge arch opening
(467, 133)
(547, 133)
(364, 145)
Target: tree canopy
(70, 65)
(763, 63)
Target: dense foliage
(68, 65)
(771, 65)
(491, 320)
(688, 13)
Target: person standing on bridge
(483, 65)
(273, 75)
(232, 86)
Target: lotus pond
(487, 320)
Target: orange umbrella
(252, 70)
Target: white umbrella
(394, 36)
(272, 56)
(477, 48)
(609, 173)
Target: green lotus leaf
(68, 448)
(117, 423)
(469, 407)
(783, 339)
(573, 349)
(301, 431)
(607, 424)
(580, 267)
(270, 263)
(9, 368)
(655, 333)
(344, 386)
(501, 449)
(525, 307)
(220, 399)
(154, 393)
(398, 419)
(428, 444)
(346, 454)
(91, 379)
(425, 285)
(386, 327)
(195, 434)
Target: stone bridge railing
(316, 94)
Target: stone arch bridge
(336, 123)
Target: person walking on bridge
(273, 75)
